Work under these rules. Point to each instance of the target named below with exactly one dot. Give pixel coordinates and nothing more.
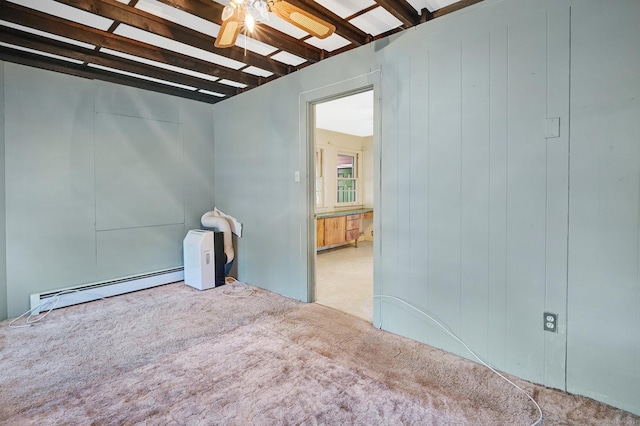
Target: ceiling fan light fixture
(259, 9)
(228, 11)
(302, 19)
(239, 13)
(316, 28)
(228, 33)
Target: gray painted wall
(474, 231)
(604, 228)
(102, 181)
(3, 247)
(474, 199)
(49, 180)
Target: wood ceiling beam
(454, 7)
(343, 28)
(362, 12)
(402, 10)
(212, 11)
(140, 19)
(36, 42)
(51, 64)
(206, 9)
(48, 23)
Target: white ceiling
(352, 115)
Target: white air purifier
(199, 259)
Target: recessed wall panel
(497, 193)
(444, 189)
(139, 172)
(125, 252)
(388, 213)
(196, 127)
(526, 190)
(474, 191)
(132, 102)
(418, 204)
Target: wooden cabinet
(337, 230)
(352, 228)
(334, 230)
(319, 232)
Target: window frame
(356, 179)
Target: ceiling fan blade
(228, 33)
(302, 19)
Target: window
(347, 178)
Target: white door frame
(307, 101)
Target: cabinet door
(319, 232)
(334, 230)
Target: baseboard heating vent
(94, 291)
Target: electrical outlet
(550, 322)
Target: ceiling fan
(239, 14)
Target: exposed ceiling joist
(64, 67)
(402, 10)
(454, 7)
(343, 28)
(212, 11)
(137, 18)
(36, 42)
(165, 45)
(33, 19)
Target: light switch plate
(552, 128)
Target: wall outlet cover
(550, 321)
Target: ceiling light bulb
(250, 22)
(261, 8)
(228, 10)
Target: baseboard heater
(94, 291)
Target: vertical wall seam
(408, 147)
(428, 179)
(566, 308)
(637, 346)
(489, 208)
(184, 185)
(460, 200)
(506, 207)
(546, 198)
(4, 310)
(95, 178)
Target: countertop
(343, 213)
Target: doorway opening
(343, 171)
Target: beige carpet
(175, 356)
